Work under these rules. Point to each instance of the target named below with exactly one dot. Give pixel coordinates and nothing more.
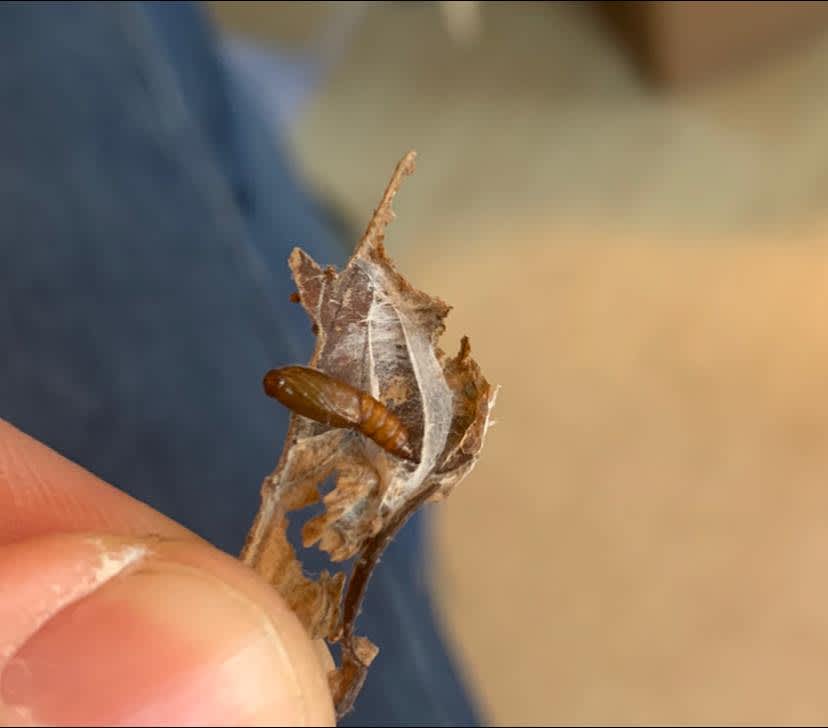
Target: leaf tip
(465, 349)
(408, 163)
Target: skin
(112, 614)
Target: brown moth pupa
(318, 396)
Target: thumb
(103, 630)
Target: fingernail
(161, 644)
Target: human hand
(103, 624)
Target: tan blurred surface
(645, 537)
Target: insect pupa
(318, 396)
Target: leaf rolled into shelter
(377, 334)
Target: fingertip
(165, 633)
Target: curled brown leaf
(377, 333)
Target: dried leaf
(379, 334)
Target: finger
(102, 630)
(43, 493)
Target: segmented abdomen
(382, 426)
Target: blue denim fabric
(147, 216)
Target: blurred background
(625, 206)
